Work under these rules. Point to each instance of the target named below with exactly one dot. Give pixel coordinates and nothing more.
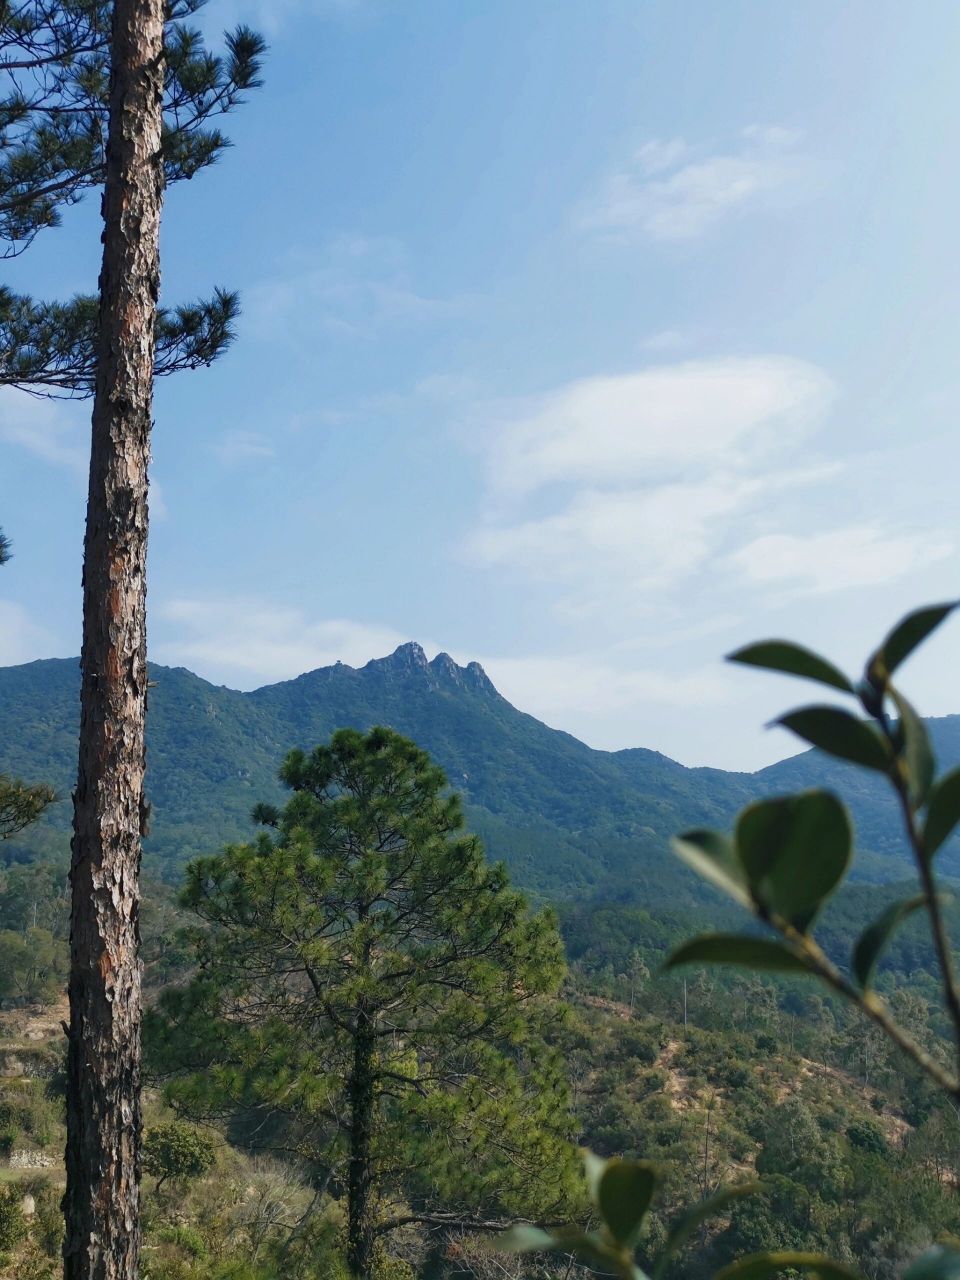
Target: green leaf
(916, 758)
(586, 1246)
(684, 1225)
(942, 1262)
(874, 939)
(943, 811)
(524, 1239)
(623, 1197)
(792, 660)
(593, 1167)
(712, 856)
(903, 639)
(758, 1266)
(795, 850)
(733, 948)
(840, 734)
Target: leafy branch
(784, 861)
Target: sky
(586, 340)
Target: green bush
(867, 1137)
(186, 1237)
(177, 1152)
(13, 1226)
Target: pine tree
(119, 96)
(374, 995)
(55, 64)
(102, 1200)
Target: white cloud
(859, 556)
(51, 430)
(672, 191)
(248, 642)
(625, 488)
(22, 639)
(624, 428)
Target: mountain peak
(472, 676)
(407, 657)
(444, 665)
(410, 660)
(477, 678)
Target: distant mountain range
(569, 820)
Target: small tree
(177, 1151)
(21, 803)
(370, 982)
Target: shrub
(867, 1137)
(13, 1226)
(177, 1151)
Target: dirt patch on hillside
(33, 1024)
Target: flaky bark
(103, 1100)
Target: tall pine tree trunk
(360, 1236)
(103, 1100)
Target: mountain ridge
(568, 818)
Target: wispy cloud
(274, 16)
(51, 430)
(246, 642)
(21, 638)
(354, 287)
(671, 190)
(563, 690)
(238, 447)
(643, 537)
(837, 559)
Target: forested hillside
(566, 818)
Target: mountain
(568, 819)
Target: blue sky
(588, 340)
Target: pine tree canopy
(54, 103)
(365, 943)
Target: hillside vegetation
(566, 818)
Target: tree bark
(101, 1204)
(360, 1233)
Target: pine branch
(48, 349)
